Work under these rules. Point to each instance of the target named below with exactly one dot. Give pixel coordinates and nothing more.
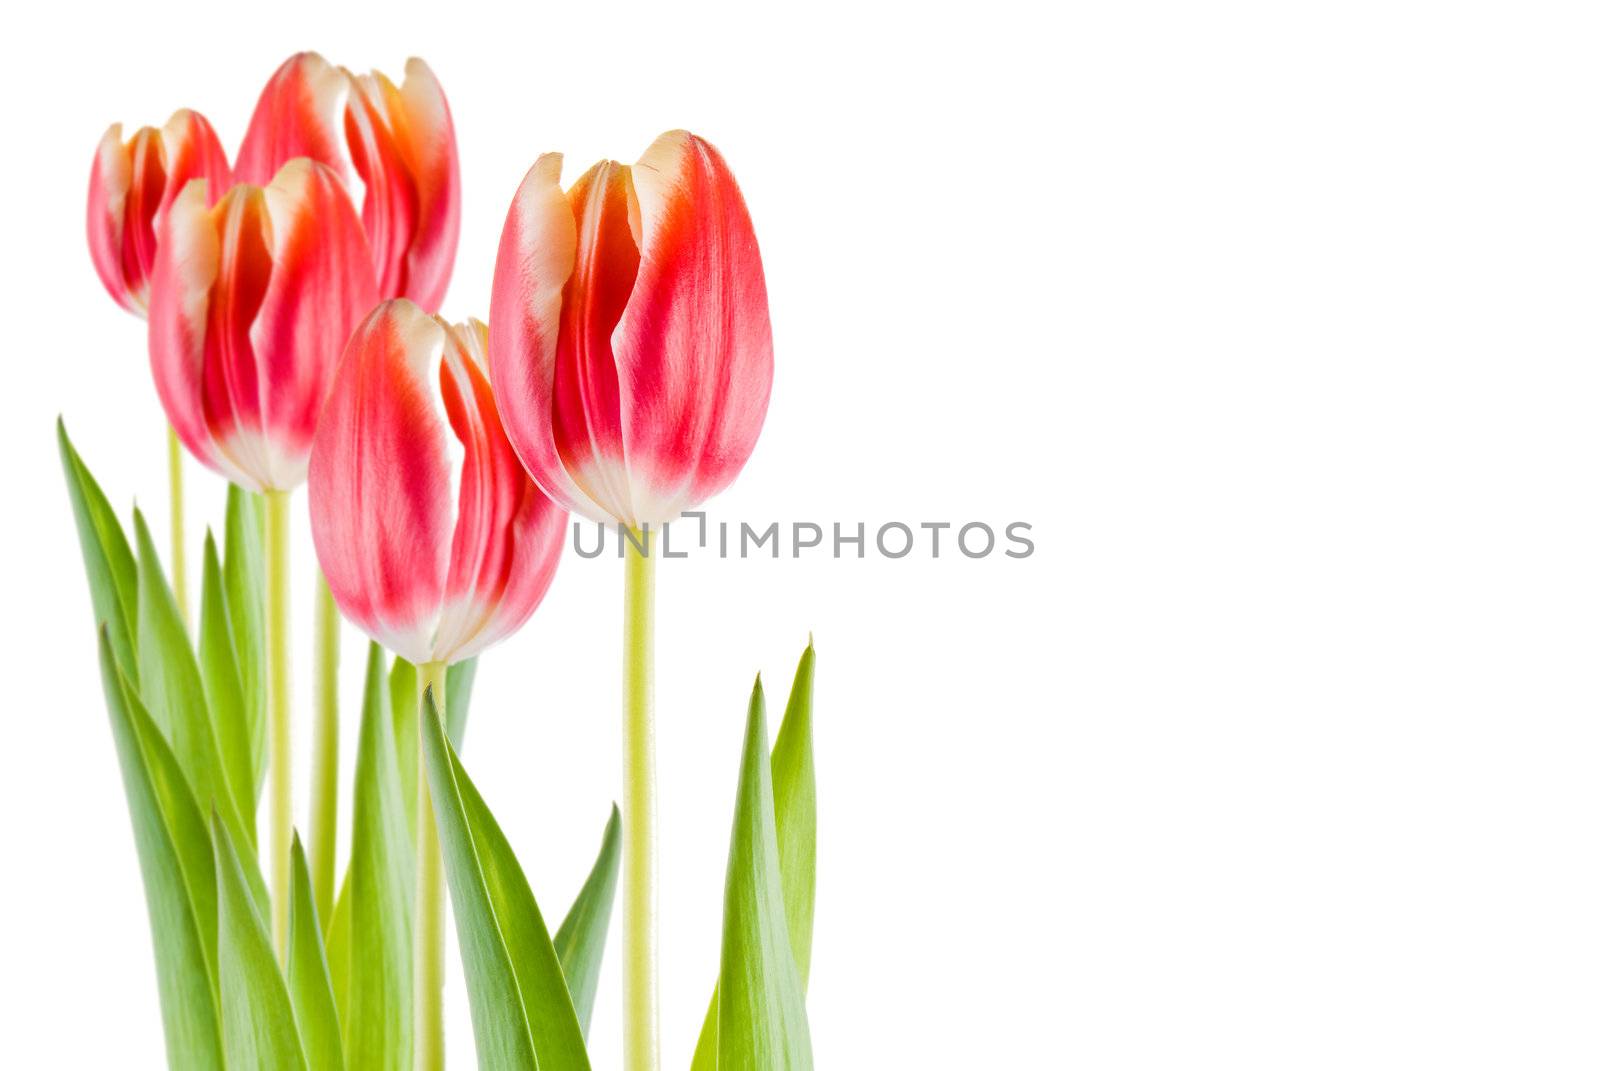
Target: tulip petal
(508, 535)
(404, 147)
(538, 250)
(380, 481)
(109, 181)
(323, 283)
(694, 349)
(299, 113)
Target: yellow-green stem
(427, 980)
(180, 572)
(278, 711)
(325, 752)
(640, 1029)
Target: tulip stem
(427, 981)
(640, 1029)
(180, 572)
(325, 752)
(278, 711)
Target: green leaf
(377, 954)
(581, 940)
(403, 697)
(522, 1014)
(794, 791)
(310, 988)
(170, 685)
(338, 944)
(258, 1027)
(224, 690)
(761, 1011)
(244, 576)
(113, 575)
(175, 860)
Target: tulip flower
(632, 358)
(130, 188)
(432, 557)
(400, 143)
(252, 300)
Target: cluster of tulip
(294, 338)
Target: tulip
(130, 188)
(434, 574)
(632, 349)
(632, 357)
(400, 143)
(251, 303)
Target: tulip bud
(632, 351)
(434, 557)
(251, 303)
(130, 188)
(399, 141)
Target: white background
(1278, 323)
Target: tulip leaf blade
(171, 689)
(224, 689)
(175, 860)
(258, 1025)
(310, 987)
(522, 1013)
(374, 955)
(581, 940)
(244, 577)
(107, 558)
(761, 1011)
(403, 697)
(794, 791)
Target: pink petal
(299, 113)
(380, 481)
(694, 348)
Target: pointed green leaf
(258, 1027)
(581, 940)
(522, 1015)
(113, 575)
(244, 576)
(173, 846)
(170, 685)
(794, 791)
(761, 1011)
(224, 690)
(310, 989)
(377, 953)
(338, 945)
(403, 697)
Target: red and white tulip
(434, 556)
(397, 140)
(130, 188)
(632, 350)
(252, 300)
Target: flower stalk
(641, 1037)
(325, 751)
(278, 750)
(180, 573)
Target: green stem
(427, 980)
(640, 1026)
(278, 710)
(325, 752)
(180, 572)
